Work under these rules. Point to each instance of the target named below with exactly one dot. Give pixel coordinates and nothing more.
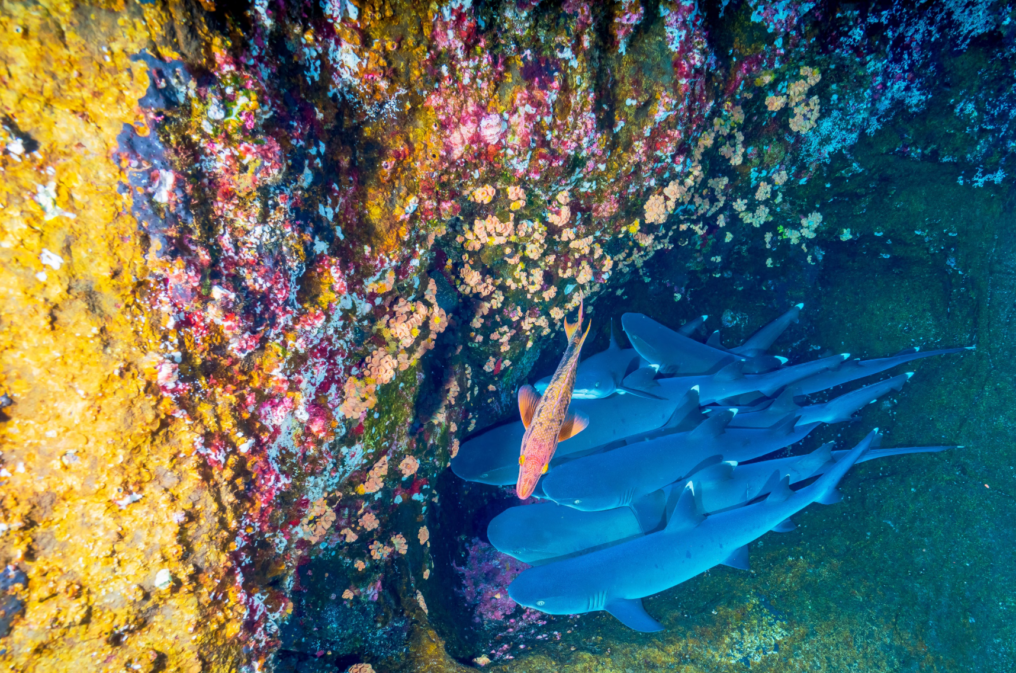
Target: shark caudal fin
(571, 327)
(528, 399)
(631, 613)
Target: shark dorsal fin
(785, 425)
(641, 379)
(714, 425)
(528, 399)
(781, 491)
(785, 402)
(811, 464)
(688, 329)
(651, 511)
(714, 340)
(631, 613)
(715, 473)
(738, 559)
(686, 514)
(613, 338)
(571, 327)
(731, 372)
(574, 423)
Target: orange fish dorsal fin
(573, 424)
(528, 399)
(571, 327)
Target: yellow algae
(104, 495)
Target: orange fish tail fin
(574, 423)
(571, 327)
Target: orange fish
(546, 418)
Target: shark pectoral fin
(528, 399)
(573, 425)
(639, 393)
(669, 369)
(738, 559)
(641, 378)
(830, 498)
(785, 526)
(633, 615)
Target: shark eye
(541, 602)
(596, 385)
(577, 501)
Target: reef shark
(836, 410)
(856, 369)
(617, 578)
(491, 457)
(601, 375)
(675, 353)
(547, 532)
(625, 475)
(546, 418)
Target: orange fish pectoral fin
(571, 327)
(573, 425)
(522, 460)
(528, 399)
(546, 466)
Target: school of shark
(650, 462)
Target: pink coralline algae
(485, 579)
(409, 466)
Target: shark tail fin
(903, 450)
(528, 399)
(571, 327)
(574, 423)
(631, 613)
(779, 487)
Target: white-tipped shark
(616, 579)
(836, 410)
(675, 353)
(492, 457)
(624, 476)
(546, 532)
(601, 375)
